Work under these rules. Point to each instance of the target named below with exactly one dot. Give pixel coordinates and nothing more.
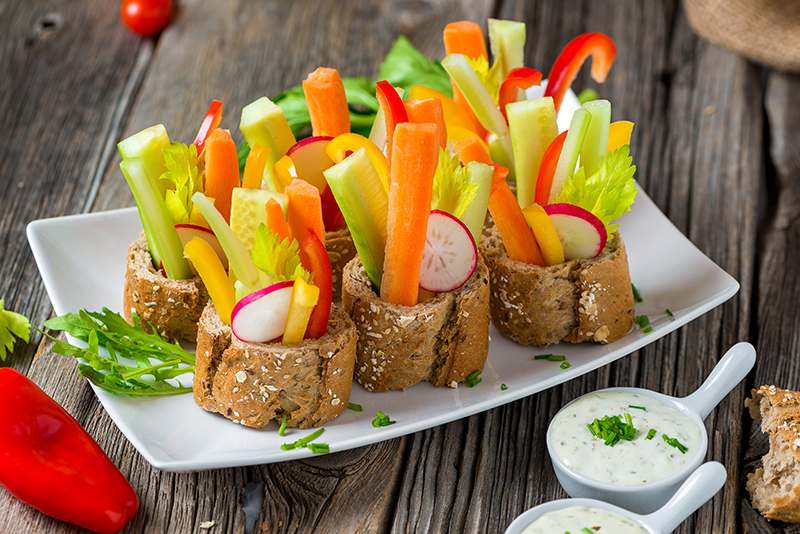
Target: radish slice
(261, 316)
(188, 231)
(450, 255)
(581, 232)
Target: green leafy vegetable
(608, 193)
(279, 260)
(304, 441)
(643, 322)
(673, 442)
(452, 189)
(473, 379)
(184, 176)
(612, 429)
(381, 419)
(405, 66)
(13, 326)
(587, 95)
(137, 363)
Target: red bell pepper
(48, 461)
(566, 66)
(332, 216)
(315, 259)
(547, 169)
(519, 78)
(394, 111)
(211, 121)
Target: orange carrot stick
(547, 169)
(517, 236)
(327, 103)
(465, 37)
(471, 149)
(254, 167)
(428, 110)
(275, 219)
(222, 170)
(415, 155)
(305, 210)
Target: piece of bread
(341, 250)
(576, 301)
(255, 383)
(441, 340)
(775, 487)
(172, 307)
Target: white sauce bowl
(646, 498)
(698, 488)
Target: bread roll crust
(172, 307)
(441, 340)
(341, 250)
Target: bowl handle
(730, 370)
(701, 485)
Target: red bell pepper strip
(332, 216)
(211, 121)
(315, 259)
(519, 78)
(394, 111)
(48, 461)
(566, 66)
(547, 169)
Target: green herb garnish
(587, 95)
(13, 326)
(304, 441)
(585, 530)
(381, 419)
(673, 442)
(151, 355)
(550, 357)
(282, 428)
(503, 387)
(355, 407)
(636, 407)
(565, 364)
(651, 433)
(637, 297)
(669, 312)
(643, 322)
(319, 448)
(612, 429)
(473, 379)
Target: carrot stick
(327, 103)
(275, 219)
(305, 210)
(254, 167)
(222, 170)
(428, 110)
(547, 169)
(466, 38)
(414, 159)
(471, 149)
(517, 236)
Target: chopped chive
(643, 322)
(304, 441)
(669, 312)
(651, 433)
(282, 428)
(319, 448)
(473, 379)
(565, 364)
(381, 419)
(550, 357)
(503, 387)
(612, 429)
(355, 407)
(634, 406)
(673, 442)
(585, 530)
(637, 297)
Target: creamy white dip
(575, 518)
(628, 463)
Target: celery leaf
(13, 326)
(279, 260)
(184, 177)
(453, 191)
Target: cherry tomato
(146, 17)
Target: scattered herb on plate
(355, 407)
(305, 441)
(381, 419)
(282, 428)
(673, 442)
(651, 433)
(550, 357)
(612, 429)
(473, 379)
(643, 322)
(13, 326)
(637, 407)
(637, 297)
(503, 387)
(565, 364)
(669, 312)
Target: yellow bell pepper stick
(345, 144)
(284, 173)
(545, 232)
(619, 134)
(209, 267)
(254, 167)
(304, 298)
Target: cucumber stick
(573, 143)
(533, 127)
(263, 123)
(156, 220)
(507, 41)
(595, 145)
(474, 215)
(147, 146)
(364, 203)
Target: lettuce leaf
(279, 260)
(184, 176)
(608, 193)
(405, 66)
(453, 191)
(13, 326)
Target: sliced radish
(581, 232)
(450, 255)
(188, 231)
(261, 316)
(310, 159)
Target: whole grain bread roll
(255, 383)
(341, 250)
(775, 487)
(172, 307)
(441, 340)
(576, 301)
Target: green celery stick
(147, 146)
(507, 41)
(263, 123)
(533, 127)
(595, 145)
(570, 151)
(475, 214)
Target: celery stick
(569, 152)
(533, 127)
(238, 256)
(364, 203)
(595, 145)
(263, 123)
(378, 132)
(474, 215)
(507, 41)
(156, 219)
(147, 146)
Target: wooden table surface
(716, 147)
